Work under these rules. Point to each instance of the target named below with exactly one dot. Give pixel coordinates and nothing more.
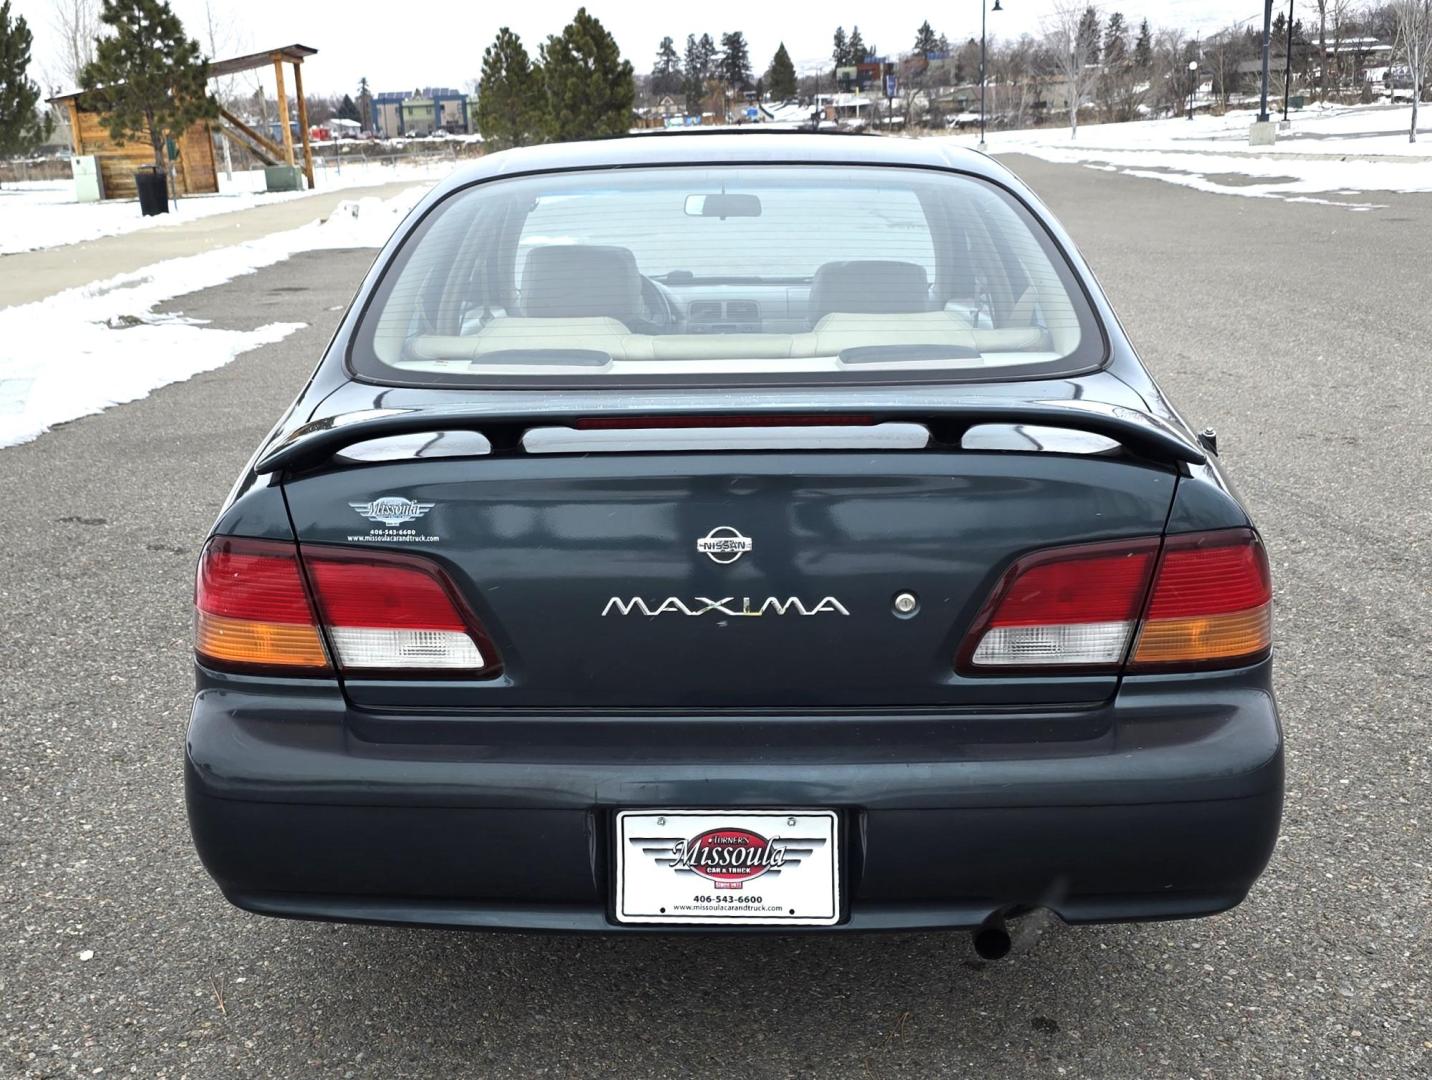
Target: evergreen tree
(700, 66)
(707, 54)
(666, 72)
(1144, 47)
(348, 110)
(693, 86)
(149, 80)
(925, 40)
(841, 52)
(590, 88)
(1088, 34)
(21, 128)
(943, 46)
(510, 94)
(781, 75)
(1116, 45)
(735, 64)
(856, 47)
(365, 104)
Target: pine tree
(841, 52)
(590, 88)
(365, 104)
(1144, 47)
(1088, 34)
(781, 75)
(693, 86)
(856, 47)
(347, 109)
(666, 72)
(510, 94)
(148, 79)
(925, 40)
(1116, 44)
(21, 128)
(735, 64)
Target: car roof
(755, 147)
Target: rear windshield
(743, 273)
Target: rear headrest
(581, 281)
(868, 286)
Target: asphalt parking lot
(1300, 331)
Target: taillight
(386, 612)
(1212, 603)
(382, 613)
(1071, 607)
(252, 610)
(1084, 607)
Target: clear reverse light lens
(1078, 643)
(375, 647)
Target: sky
(440, 42)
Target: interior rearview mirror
(723, 206)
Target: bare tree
(1414, 44)
(75, 22)
(1170, 78)
(223, 39)
(1071, 53)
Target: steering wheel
(659, 312)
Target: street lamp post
(1267, 48)
(1192, 85)
(984, 9)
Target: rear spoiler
(503, 416)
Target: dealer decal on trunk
(727, 605)
(392, 513)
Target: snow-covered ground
(44, 214)
(83, 350)
(1327, 154)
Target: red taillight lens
(252, 610)
(1212, 603)
(1072, 607)
(387, 612)
(382, 613)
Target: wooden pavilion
(195, 172)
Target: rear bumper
(1158, 805)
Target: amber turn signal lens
(1206, 639)
(257, 644)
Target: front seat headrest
(868, 287)
(581, 281)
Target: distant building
(422, 112)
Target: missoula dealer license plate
(771, 867)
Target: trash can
(153, 190)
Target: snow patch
(44, 214)
(1332, 150)
(80, 351)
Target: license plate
(760, 867)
